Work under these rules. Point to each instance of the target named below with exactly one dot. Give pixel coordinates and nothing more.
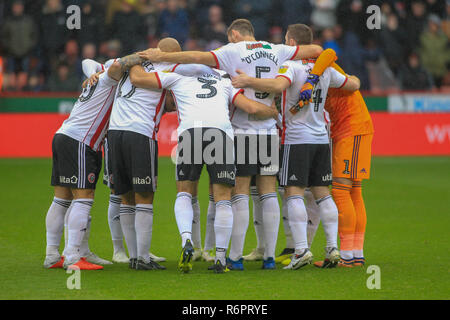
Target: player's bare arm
(198, 57)
(353, 83)
(141, 79)
(261, 111)
(308, 51)
(117, 69)
(277, 85)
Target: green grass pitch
(407, 202)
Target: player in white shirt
(259, 59)
(76, 167)
(90, 67)
(133, 150)
(205, 138)
(305, 146)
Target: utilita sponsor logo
(146, 180)
(438, 133)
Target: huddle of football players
(228, 121)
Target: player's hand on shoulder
(152, 54)
(92, 79)
(242, 80)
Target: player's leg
(119, 254)
(144, 229)
(362, 171)
(77, 168)
(298, 221)
(223, 224)
(184, 215)
(361, 221)
(210, 240)
(257, 254)
(54, 223)
(320, 180)
(266, 182)
(344, 158)
(289, 249)
(120, 156)
(312, 210)
(240, 205)
(271, 216)
(144, 174)
(115, 229)
(127, 214)
(222, 175)
(328, 214)
(196, 225)
(94, 160)
(78, 224)
(62, 199)
(294, 176)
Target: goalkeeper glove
(306, 91)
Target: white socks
(313, 216)
(77, 226)
(329, 216)
(84, 248)
(298, 220)
(144, 226)
(114, 222)
(54, 223)
(258, 222)
(271, 217)
(184, 214)
(210, 239)
(66, 228)
(222, 228)
(284, 213)
(240, 225)
(127, 222)
(196, 231)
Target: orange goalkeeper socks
(347, 218)
(361, 219)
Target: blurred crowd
(39, 53)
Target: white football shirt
(88, 121)
(308, 125)
(258, 59)
(136, 109)
(140, 110)
(201, 101)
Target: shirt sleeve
(192, 70)
(287, 71)
(107, 80)
(234, 93)
(167, 80)
(337, 79)
(225, 56)
(286, 52)
(90, 67)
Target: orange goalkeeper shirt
(348, 114)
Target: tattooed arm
(122, 65)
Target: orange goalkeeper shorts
(351, 157)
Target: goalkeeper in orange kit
(351, 134)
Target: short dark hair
(244, 27)
(301, 33)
